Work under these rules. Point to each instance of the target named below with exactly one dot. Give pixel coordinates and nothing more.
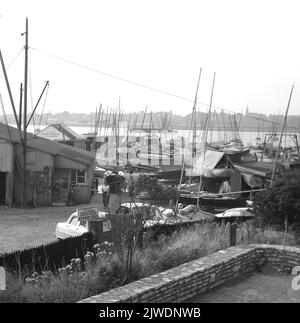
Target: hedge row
(49, 256)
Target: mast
(194, 149)
(37, 103)
(117, 131)
(127, 143)
(194, 116)
(205, 137)
(282, 131)
(190, 127)
(25, 114)
(9, 92)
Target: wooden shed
(51, 170)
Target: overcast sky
(253, 46)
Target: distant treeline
(219, 120)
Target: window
(30, 157)
(78, 176)
(84, 223)
(74, 221)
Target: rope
(45, 99)
(31, 93)
(12, 62)
(138, 84)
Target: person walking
(105, 194)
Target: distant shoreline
(92, 126)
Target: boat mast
(186, 146)
(194, 116)
(282, 131)
(205, 137)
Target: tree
(149, 188)
(280, 205)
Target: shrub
(102, 269)
(149, 188)
(248, 233)
(280, 205)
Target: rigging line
(47, 116)
(31, 93)
(41, 116)
(144, 86)
(126, 80)
(13, 60)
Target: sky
(252, 46)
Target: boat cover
(204, 163)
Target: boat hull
(213, 201)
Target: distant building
(61, 133)
(52, 169)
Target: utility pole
(25, 115)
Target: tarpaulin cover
(252, 180)
(204, 163)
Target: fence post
(232, 234)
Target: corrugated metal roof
(54, 148)
(63, 129)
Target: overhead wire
(146, 86)
(12, 61)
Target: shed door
(2, 188)
(60, 188)
(42, 188)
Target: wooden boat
(215, 200)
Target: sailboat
(234, 148)
(211, 168)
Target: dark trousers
(105, 198)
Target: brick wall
(196, 277)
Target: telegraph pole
(25, 115)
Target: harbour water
(247, 137)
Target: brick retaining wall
(196, 277)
